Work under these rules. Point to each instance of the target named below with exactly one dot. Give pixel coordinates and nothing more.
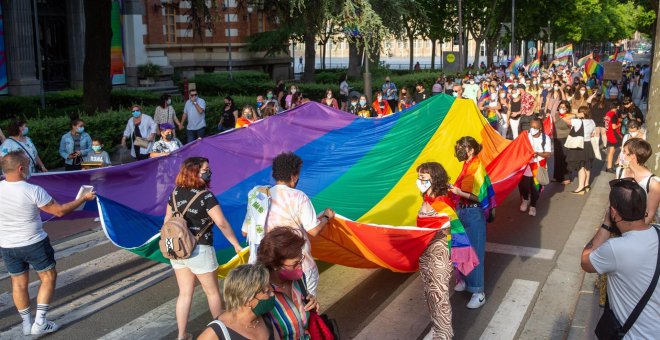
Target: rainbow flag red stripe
(515, 64)
(593, 67)
(564, 51)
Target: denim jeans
(475, 227)
(40, 256)
(194, 134)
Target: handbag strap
(25, 150)
(649, 291)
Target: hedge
(68, 103)
(46, 132)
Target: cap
(166, 126)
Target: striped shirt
(289, 316)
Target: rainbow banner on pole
(593, 67)
(117, 73)
(584, 59)
(534, 66)
(363, 168)
(516, 63)
(560, 61)
(564, 51)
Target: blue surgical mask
(81, 129)
(25, 131)
(96, 148)
(136, 114)
(259, 104)
(362, 102)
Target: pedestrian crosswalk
(395, 312)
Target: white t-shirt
(537, 146)
(589, 126)
(629, 262)
(196, 120)
(471, 91)
(20, 222)
(292, 208)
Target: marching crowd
(568, 118)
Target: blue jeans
(40, 256)
(194, 134)
(475, 227)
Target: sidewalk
(566, 306)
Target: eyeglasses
(626, 182)
(297, 263)
(193, 94)
(266, 291)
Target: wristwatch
(611, 229)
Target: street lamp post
(513, 28)
(460, 35)
(228, 19)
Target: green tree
(441, 23)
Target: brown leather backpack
(176, 240)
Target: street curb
(555, 307)
(587, 311)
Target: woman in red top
(613, 133)
(329, 100)
(380, 105)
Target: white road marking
(74, 274)
(505, 322)
(70, 247)
(100, 299)
(537, 253)
(159, 321)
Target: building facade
(144, 31)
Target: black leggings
(527, 188)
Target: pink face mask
(291, 275)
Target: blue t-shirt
(196, 120)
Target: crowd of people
(569, 120)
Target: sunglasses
(627, 182)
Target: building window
(170, 24)
(260, 22)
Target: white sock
(25, 315)
(40, 318)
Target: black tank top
(234, 335)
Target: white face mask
(329, 95)
(556, 88)
(583, 92)
(634, 134)
(562, 110)
(502, 95)
(471, 82)
(533, 131)
(515, 95)
(423, 185)
(169, 102)
(380, 98)
(293, 91)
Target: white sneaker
(524, 205)
(46, 327)
(532, 211)
(27, 328)
(477, 300)
(460, 286)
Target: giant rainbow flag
(363, 168)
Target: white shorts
(201, 261)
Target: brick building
(144, 31)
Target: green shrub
(243, 83)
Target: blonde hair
(242, 284)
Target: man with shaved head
(24, 242)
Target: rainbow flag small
(560, 61)
(535, 169)
(593, 67)
(535, 65)
(617, 56)
(492, 118)
(462, 253)
(515, 64)
(584, 59)
(475, 180)
(484, 91)
(628, 57)
(564, 51)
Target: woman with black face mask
(201, 210)
(468, 207)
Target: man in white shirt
(290, 207)
(195, 111)
(24, 242)
(542, 146)
(471, 90)
(630, 260)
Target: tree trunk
(324, 52)
(97, 83)
(411, 43)
(433, 41)
(490, 48)
(310, 56)
(353, 60)
(466, 44)
(477, 54)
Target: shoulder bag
(542, 173)
(609, 328)
(575, 139)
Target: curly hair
(469, 142)
(188, 176)
(280, 244)
(286, 165)
(439, 177)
